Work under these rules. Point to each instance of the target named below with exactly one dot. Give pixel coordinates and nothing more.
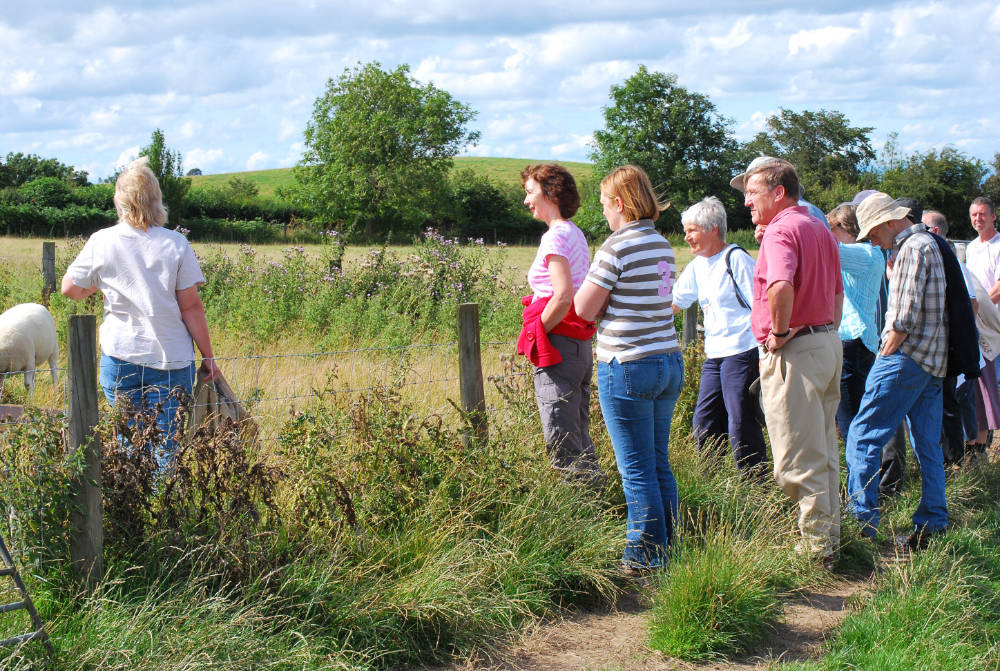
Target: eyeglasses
(754, 193)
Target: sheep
(27, 339)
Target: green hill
(499, 170)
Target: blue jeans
(637, 400)
(858, 360)
(897, 388)
(149, 389)
(725, 408)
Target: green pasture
(499, 170)
(267, 181)
(363, 533)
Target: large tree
(19, 169)
(991, 185)
(677, 136)
(168, 166)
(378, 150)
(827, 151)
(945, 180)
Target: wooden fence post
(48, 270)
(470, 372)
(87, 544)
(690, 333)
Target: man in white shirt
(720, 279)
(982, 256)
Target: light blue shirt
(862, 267)
(814, 211)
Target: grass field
(387, 543)
(266, 180)
(500, 170)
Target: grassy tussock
(722, 592)
(719, 597)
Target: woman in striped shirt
(640, 369)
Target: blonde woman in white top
(149, 277)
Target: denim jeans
(637, 399)
(897, 388)
(858, 360)
(725, 408)
(149, 388)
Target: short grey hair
(707, 214)
(937, 220)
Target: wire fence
(428, 378)
(274, 386)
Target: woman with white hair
(720, 279)
(149, 277)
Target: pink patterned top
(562, 239)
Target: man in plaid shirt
(906, 379)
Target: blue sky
(232, 82)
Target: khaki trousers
(800, 392)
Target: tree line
(378, 166)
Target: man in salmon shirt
(798, 296)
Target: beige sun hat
(738, 182)
(876, 209)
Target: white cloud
(573, 147)
(125, 157)
(19, 82)
(292, 157)
(105, 117)
(738, 36)
(289, 129)
(205, 159)
(754, 124)
(236, 80)
(257, 160)
(994, 21)
(819, 39)
(188, 129)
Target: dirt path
(614, 639)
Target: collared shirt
(727, 322)
(916, 300)
(636, 264)
(562, 239)
(863, 268)
(139, 273)
(983, 260)
(797, 248)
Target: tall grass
(940, 611)
(385, 545)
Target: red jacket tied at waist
(534, 342)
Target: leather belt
(819, 328)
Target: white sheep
(27, 339)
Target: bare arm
(562, 292)
(591, 301)
(838, 309)
(891, 342)
(193, 315)
(994, 292)
(780, 298)
(71, 290)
